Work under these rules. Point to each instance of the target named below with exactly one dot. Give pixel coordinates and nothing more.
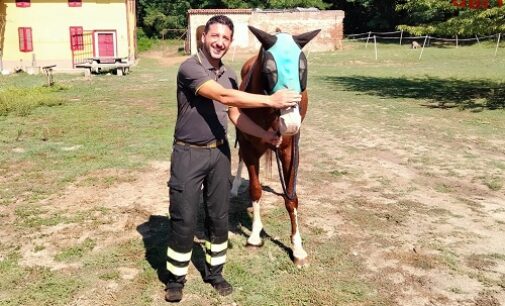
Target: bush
(21, 101)
(144, 43)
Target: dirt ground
(408, 249)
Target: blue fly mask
(284, 65)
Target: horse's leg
(288, 166)
(251, 161)
(238, 179)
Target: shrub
(21, 101)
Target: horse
(280, 63)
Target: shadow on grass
(240, 218)
(155, 232)
(476, 95)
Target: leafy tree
(157, 17)
(278, 4)
(440, 17)
(366, 15)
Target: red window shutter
(25, 39)
(484, 4)
(28, 35)
(474, 4)
(76, 38)
(21, 34)
(500, 3)
(74, 3)
(22, 3)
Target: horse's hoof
(254, 246)
(301, 262)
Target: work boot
(223, 287)
(173, 295)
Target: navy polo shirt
(201, 120)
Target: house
(294, 21)
(37, 33)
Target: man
(200, 163)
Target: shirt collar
(206, 64)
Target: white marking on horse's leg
(296, 239)
(257, 226)
(237, 180)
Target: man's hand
(272, 138)
(285, 98)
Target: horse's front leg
(289, 158)
(252, 164)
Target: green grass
(22, 101)
(443, 114)
(99, 126)
(76, 252)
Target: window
(76, 39)
(25, 39)
(22, 3)
(74, 2)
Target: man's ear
(202, 38)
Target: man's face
(217, 40)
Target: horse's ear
(303, 39)
(267, 40)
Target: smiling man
(207, 96)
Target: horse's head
(284, 65)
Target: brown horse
(280, 63)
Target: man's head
(217, 37)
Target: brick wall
(331, 24)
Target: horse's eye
(270, 65)
(270, 71)
(302, 70)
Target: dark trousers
(197, 172)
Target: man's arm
(246, 125)
(281, 99)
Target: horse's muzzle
(290, 121)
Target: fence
(82, 51)
(2, 33)
(427, 40)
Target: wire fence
(421, 42)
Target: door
(105, 45)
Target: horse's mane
(248, 69)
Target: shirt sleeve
(192, 75)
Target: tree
(156, 17)
(441, 17)
(366, 15)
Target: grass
(22, 101)
(76, 252)
(378, 134)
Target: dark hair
(219, 19)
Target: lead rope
(295, 152)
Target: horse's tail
(268, 163)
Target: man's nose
(220, 41)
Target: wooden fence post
(424, 44)
(497, 44)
